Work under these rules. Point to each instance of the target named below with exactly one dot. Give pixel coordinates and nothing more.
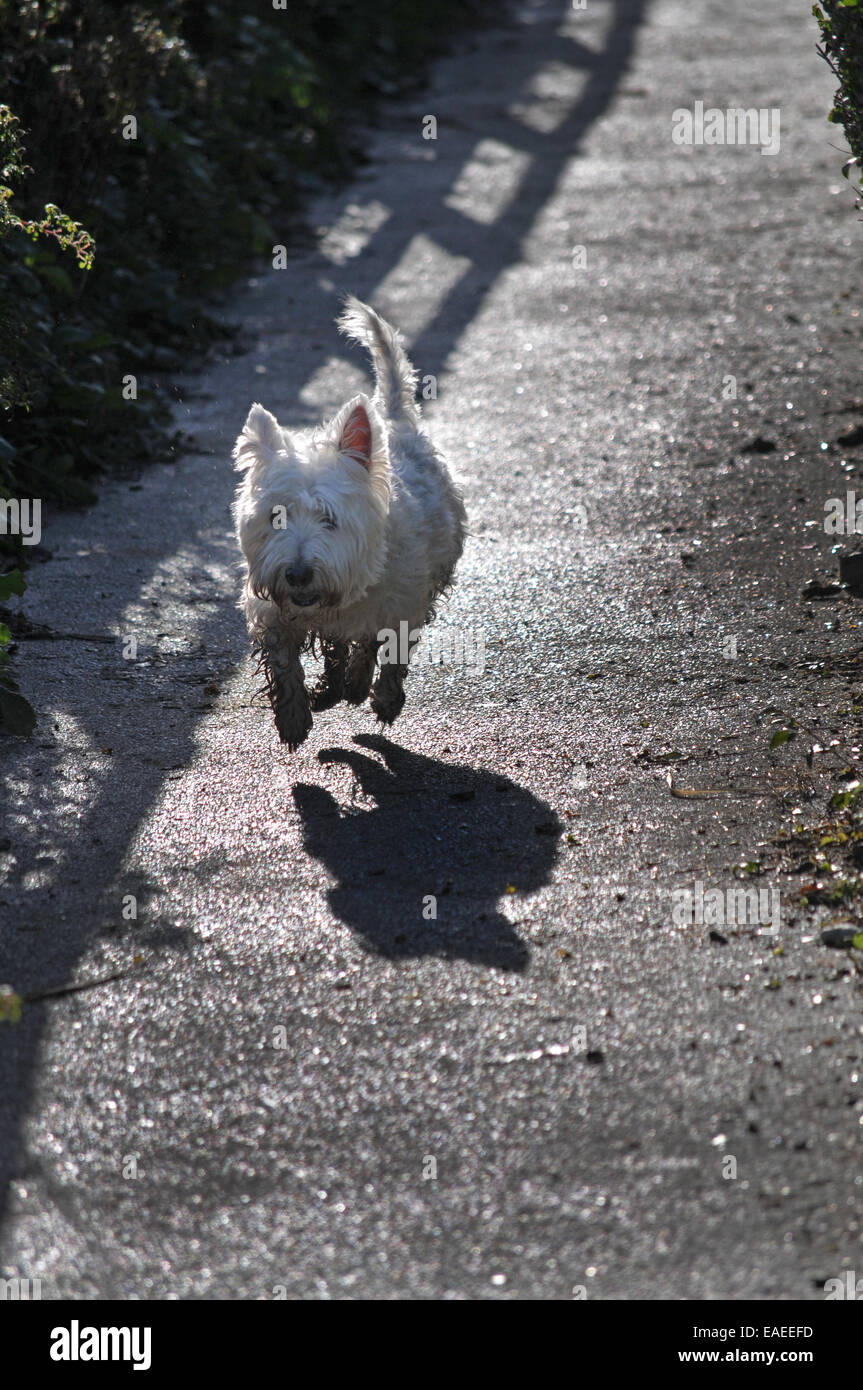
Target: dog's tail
(395, 375)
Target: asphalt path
(414, 1015)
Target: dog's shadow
(422, 871)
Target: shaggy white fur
(348, 531)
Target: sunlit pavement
(419, 1015)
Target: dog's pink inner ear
(356, 436)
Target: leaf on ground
(10, 1005)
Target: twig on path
(47, 634)
(10, 1002)
(60, 990)
(698, 793)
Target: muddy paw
(294, 725)
(356, 691)
(326, 694)
(387, 708)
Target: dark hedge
(241, 110)
(841, 24)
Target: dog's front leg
(388, 693)
(330, 688)
(360, 670)
(286, 688)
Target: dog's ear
(355, 439)
(359, 435)
(260, 440)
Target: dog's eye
(329, 523)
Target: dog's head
(311, 509)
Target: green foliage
(841, 25)
(241, 109)
(16, 714)
(68, 234)
(28, 329)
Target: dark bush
(241, 109)
(841, 24)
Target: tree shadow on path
(432, 824)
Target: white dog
(348, 531)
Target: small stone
(841, 937)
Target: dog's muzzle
(299, 593)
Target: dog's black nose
(298, 578)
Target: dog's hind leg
(286, 688)
(360, 670)
(331, 686)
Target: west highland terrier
(348, 531)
